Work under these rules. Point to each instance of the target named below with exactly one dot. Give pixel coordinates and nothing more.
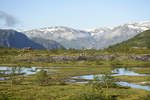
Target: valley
(44, 69)
(61, 66)
(74, 50)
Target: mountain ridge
(97, 38)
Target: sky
(78, 14)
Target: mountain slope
(14, 39)
(49, 44)
(141, 40)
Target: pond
(134, 85)
(21, 71)
(117, 72)
(126, 72)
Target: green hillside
(141, 40)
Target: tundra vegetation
(57, 68)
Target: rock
(85, 58)
(140, 57)
(81, 58)
(62, 58)
(103, 57)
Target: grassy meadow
(56, 85)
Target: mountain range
(96, 38)
(65, 37)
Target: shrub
(98, 62)
(104, 81)
(116, 63)
(90, 94)
(14, 72)
(42, 77)
(4, 96)
(87, 95)
(147, 97)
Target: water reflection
(20, 71)
(117, 72)
(123, 71)
(134, 85)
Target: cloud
(8, 20)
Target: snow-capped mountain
(68, 37)
(58, 33)
(108, 36)
(96, 38)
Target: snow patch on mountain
(54, 33)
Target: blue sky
(79, 14)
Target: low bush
(42, 77)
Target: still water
(118, 72)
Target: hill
(141, 40)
